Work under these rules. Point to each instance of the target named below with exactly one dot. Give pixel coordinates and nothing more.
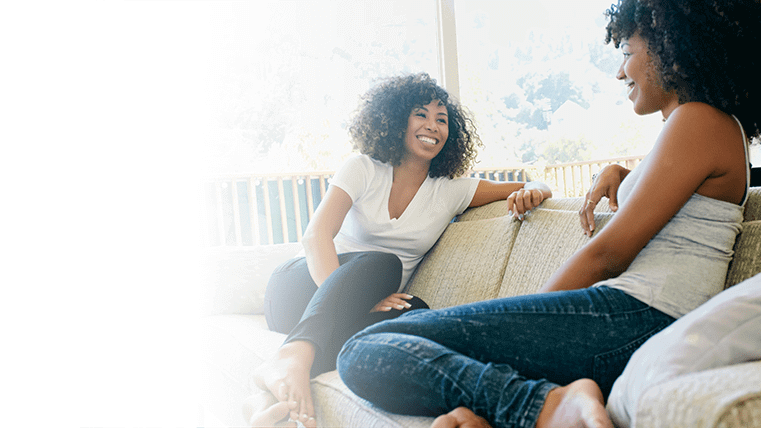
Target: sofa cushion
(466, 264)
(753, 205)
(492, 210)
(234, 278)
(574, 204)
(547, 238)
(746, 261)
(725, 330)
(339, 407)
(499, 208)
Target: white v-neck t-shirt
(368, 226)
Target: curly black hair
(705, 50)
(378, 126)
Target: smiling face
(640, 77)
(427, 131)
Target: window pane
(541, 82)
(290, 73)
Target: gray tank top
(686, 263)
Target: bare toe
(257, 403)
(311, 422)
(263, 410)
(287, 374)
(461, 417)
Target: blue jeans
(500, 357)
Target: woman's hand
(395, 301)
(606, 184)
(522, 201)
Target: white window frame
(446, 41)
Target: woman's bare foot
(461, 417)
(579, 404)
(263, 410)
(287, 377)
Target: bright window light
(291, 73)
(541, 82)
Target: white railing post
(236, 213)
(267, 210)
(253, 209)
(296, 206)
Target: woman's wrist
(538, 185)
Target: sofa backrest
(467, 263)
(497, 209)
(753, 205)
(484, 254)
(546, 239)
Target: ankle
(301, 350)
(551, 403)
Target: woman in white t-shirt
(384, 209)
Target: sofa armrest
(234, 279)
(724, 397)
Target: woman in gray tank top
(551, 358)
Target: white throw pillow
(725, 330)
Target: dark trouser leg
(328, 315)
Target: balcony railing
(256, 209)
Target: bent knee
(387, 260)
(346, 365)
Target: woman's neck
(412, 172)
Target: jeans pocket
(609, 365)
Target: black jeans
(329, 315)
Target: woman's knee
(372, 270)
(289, 290)
(381, 261)
(346, 361)
(361, 358)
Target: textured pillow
(573, 204)
(725, 330)
(234, 278)
(545, 241)
(492, 210)
(499, 208)
(746, 261)
(466, 264)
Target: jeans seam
(602, 358)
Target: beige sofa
(482, 255)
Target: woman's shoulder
(701, 113)
(365, 161)
(702, 124)
(361, 169)
(708, 140)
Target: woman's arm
(698, 148)
(321, 255)
(521, 197)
